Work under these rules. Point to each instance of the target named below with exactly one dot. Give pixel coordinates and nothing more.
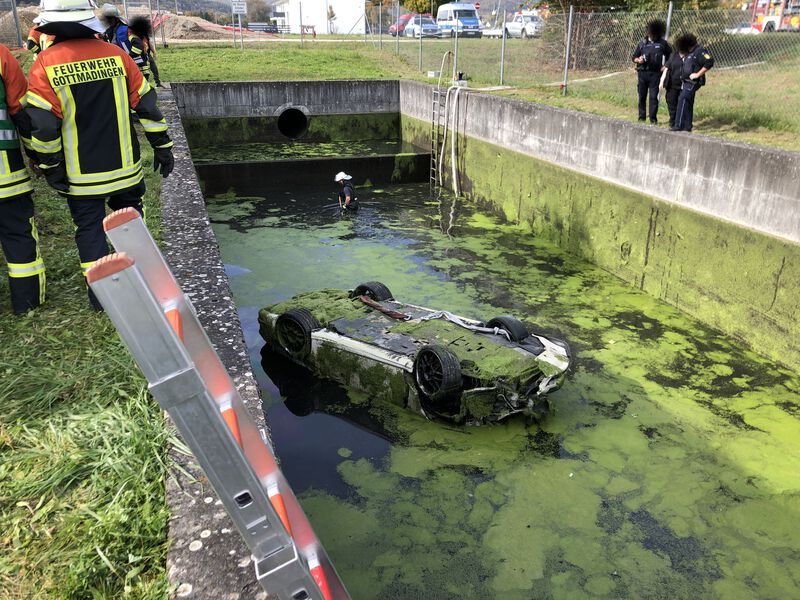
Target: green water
(669, 468)
(295, 151)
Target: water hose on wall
(450, 114)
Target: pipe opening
(292, 123)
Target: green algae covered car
(433, 362)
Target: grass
(758, 105)
(82, 444)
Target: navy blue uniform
(672, 85)
(693, 62)
(655, 54)
(348, 190)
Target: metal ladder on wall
(160, 327)
(438, 116)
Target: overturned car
(433, 362)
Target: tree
(423, 6)
(258, 11)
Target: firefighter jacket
(120, 35)
(38, 41)
(14, 178)
(80, 96)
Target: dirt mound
(192, 28)
(8, 32)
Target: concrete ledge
(751, 186)
(207, 558)
(269, 98)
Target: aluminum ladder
(159, 325)
(436, 111)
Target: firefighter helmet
(71, 11)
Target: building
(325, 16)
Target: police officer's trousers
(20, 242)
(648, 87)
(685, 117)
(88, 215)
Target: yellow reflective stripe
(26, 142)
(107, 189)
(135, 50)
(15, 190)
(20, 270)
(123, 121)
(42, 276)
(23, 101)
(153, 126)
(107, 175)
(14, 177)
(167, 145)
(45, 147)
(85, 266)
(39, 102)
(69, 132)
(144, 88)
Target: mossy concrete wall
(741, 281)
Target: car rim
(429, 373)
(291, 336)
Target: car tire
(374, 290)
(437, 373)
(515, 328)
(293, 332)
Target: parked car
(742, 29)
(458, 17)
(525, 24)
(433, 362)
(422, 26)
(399, 26)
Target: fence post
(397, 28)
(241, 32)
(300, 8)
(125, 8)
(455, 54)
(380, 25)
(503, 51)
(365, 24)
(419, 32)
(16, 22)
(669, 21)
(233, 25)
(569, 45)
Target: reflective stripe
(85, 266)
(42, 276)
(69, 132)
(3, 114)
(8, 134)
(46, 147)
(25, 141)
(153, 126)
(105, 190)
(106, 175)
(16, 190)
(167, 145)
(123, 121)
(19, 270)
(38, 101)
(144, 88)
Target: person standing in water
(347, 193)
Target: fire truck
(776, 15)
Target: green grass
(82, 444)
(757, 105)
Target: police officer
(650, 55)
(347, 193)
(671, 81)
(26, 278)
(81, 92)
(695, 64)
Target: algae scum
(669, 468)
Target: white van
(458, 17)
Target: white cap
(109, 10)
(341, 175)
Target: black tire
(437, 372)
(293, 332)
(512, 325)
(373, 289)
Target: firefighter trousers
(88, 215)
(20, 242)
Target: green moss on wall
(202, 132)
(740, 281)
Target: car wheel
(437, 372)
(373, 289)
(293, 331)
(515, 328)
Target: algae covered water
(669, 468)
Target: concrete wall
(270, 98)
(755, 187)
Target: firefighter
(696, 63)
(38, 41)
(81, 92)
(650, 55)
(119, 34)
(347, 193)
(143, 29)
(18, 236)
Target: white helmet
(109, 10)
(341, 175)
(70, 11)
